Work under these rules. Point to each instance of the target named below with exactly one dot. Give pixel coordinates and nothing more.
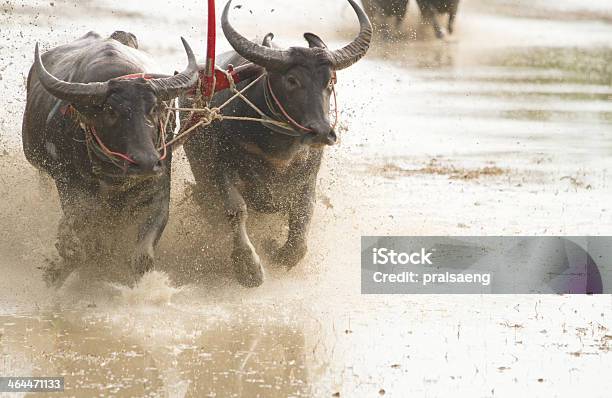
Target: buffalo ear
(314, 41)
(267, 40)
(125, 38)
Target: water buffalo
(431, 8)
(99, 136)
(241, 165)
(395, 9)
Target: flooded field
(503, 129)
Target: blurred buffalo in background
(396, 10)
(431, 8)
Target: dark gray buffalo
(430, 9)
(100, 137)
(240, 165)
(395, 9)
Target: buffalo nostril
(331, 137)
(154, 166)
(147, 164)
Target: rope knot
(214, 114)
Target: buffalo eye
(292, 82)
(111, 114)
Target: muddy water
(503, 129)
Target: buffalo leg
(245, 260)
(452, 13)
(300, 214)
(398, 22)
(150, 231)
(428, 12)
(400, 7)
(76, 202)
(72, 239)
(205, 191)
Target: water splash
(154, 288)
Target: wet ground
(503, 129)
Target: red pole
(208, 80)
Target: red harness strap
(143, 75)
(71, 111)
(279, 105)
(125, 157)
(283, 111)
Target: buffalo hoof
(439, 34)
(141, 264)
(70, 248)
(247, 267)
(290, 254)
(55, 274)
(271, 247)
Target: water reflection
(192, 357)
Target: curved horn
(351, 53)
(171, 87)
(267, 57)
(84, 93)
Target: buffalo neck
(272, 144)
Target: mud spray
(503, 130)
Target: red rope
(283, 111)
(291, 120)
(108, 151)
(137, 76)
(163, 147)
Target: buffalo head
(301, 77)
(125, 113)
